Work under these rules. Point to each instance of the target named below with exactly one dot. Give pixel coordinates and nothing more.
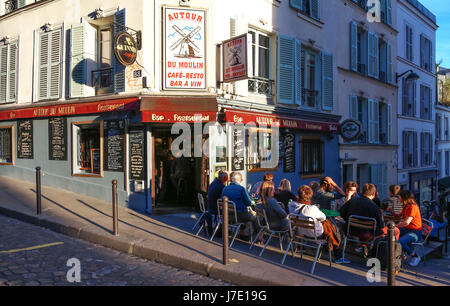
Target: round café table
(330, 213)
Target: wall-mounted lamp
(411, 77)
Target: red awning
(246, 117)
(71, 109)
(169, 109)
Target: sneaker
(359, 250)
(342, 261)
(414, 261)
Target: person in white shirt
(303, 207)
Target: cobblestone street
(47, 265)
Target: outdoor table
(330, 213)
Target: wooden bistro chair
(427, 227)
(297, 221)
(265, 229)
(201, 221)
(233, 223)
(360, 222)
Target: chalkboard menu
(137, 151)
(237, 162)
(5, 145)
(289, 152)
(114, 144)
(25, 139)
(57, 138)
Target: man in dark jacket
(364, 207)
(214, 193)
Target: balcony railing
(260, 86)
(102, 80)
(310, 97)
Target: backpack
(382, 244)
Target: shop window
(259, 148)
(88, 149)
(6, 145)
(311, 157)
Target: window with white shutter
(390, 69)
(327, 81)
(310, 8)
(8, 72)
(425, 102)
(50, 64)
(286, 75)
(353, 46)
(409, 43)
(298, 72)
(426, 53)
(373, 55)
(374, 123)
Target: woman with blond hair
(411, 226)
(284, 194)
(276, 215)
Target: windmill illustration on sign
(235, 57)
(187, 46)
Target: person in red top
(411, 226)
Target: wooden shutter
(422, 51)
(20, 3)
(3, 73)
(353, 46)
(327, 81)
(371, 54)
(315, 9)
(298, 72)
(389, 69)
(55, 64)
(12, 73)
(422, 149)
(296, 4)
(405, 150)
(389, 124)
(118, 68)
(415, 150)
(374, 122)
(354, 107)
(389, 12)
(78, 62)
(286, 54)
(44, 64)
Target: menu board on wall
(57, 138)
(237, 162)
(114, 145)
(25, 139)
(289, 152)
(137, 153)
(5, 145)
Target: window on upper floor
(370, 55)
(8, 72)
(426, 147)
(260, 82)
(95, 69)
(50, 64)
(385, 9)
(438, 127)
(426, 53)
(409, 98)
(375, 118)
(410, 156)
(310, 82)
(409, 43)
(425, 102)
(309, 8)
(446, 129)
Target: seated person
(284, 194)
(239, 195)
(439, 219)
(276, 216)
(411, 227)
(304, 208)
(393, 204)
(326, 193)
(214, 193)
(365, 207)
(254, 191)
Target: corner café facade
(82, 147)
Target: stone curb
(216, 271)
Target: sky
(441, 8)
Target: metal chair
(233, 220)
(308, 223)
(359, 222)
(265, 229)
(202, 220)
(427, 227)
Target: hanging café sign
(125, 48)
(350, 130)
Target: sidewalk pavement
(168, 239)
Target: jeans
(407, 237)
